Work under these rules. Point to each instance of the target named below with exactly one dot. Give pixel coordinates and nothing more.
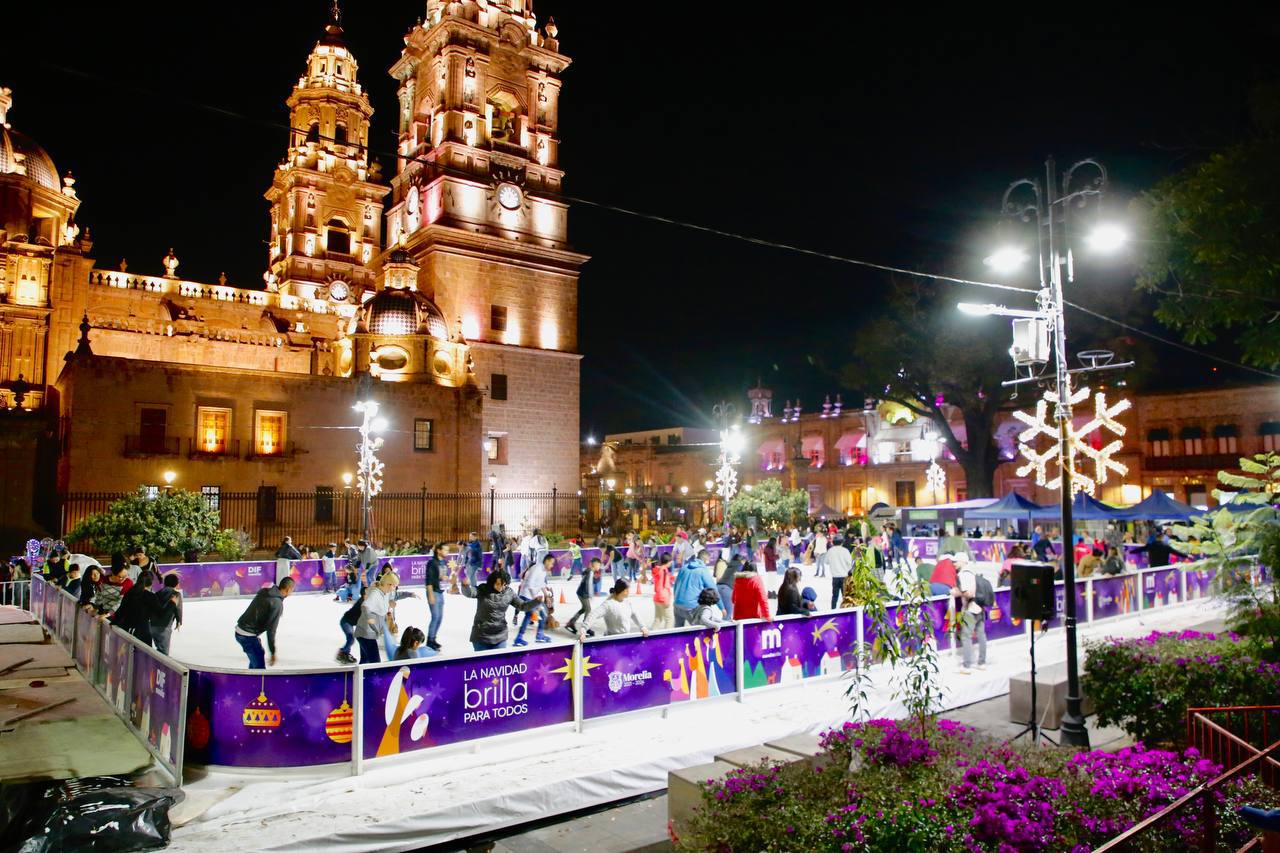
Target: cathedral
(448, 287)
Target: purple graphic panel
(66, 619)
(1160, 587)
(1200, 583)
(117, 655)
(263, 720)
(88, 641)
(983, 550)
(936, 611)
(1135, 556)
(155, 708)
(209, 580)
(630, 673)
(1115, 596)
(38, 590)
(1060, 604)
(797, 647)
(1000, 621)
(421, 704)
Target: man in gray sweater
(262, 615)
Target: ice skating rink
(308, 635)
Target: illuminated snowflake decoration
(936, 478)
(1040, 424)
(726, 478)
(371, 467)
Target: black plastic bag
(94, 813)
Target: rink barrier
(348, 717)
(145, 689)
(15, 593)
(243, 578)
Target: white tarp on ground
(429, 799)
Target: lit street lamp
(1049, 208)
(493, 496)
(169, 477)
(346, 504)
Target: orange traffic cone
(562, 599)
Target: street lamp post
(493, 497)
(1049, 209)
(346, 505)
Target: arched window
(339, 238)
(340, 133)
(313, 132)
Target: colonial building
(465, 316)
(850, 458)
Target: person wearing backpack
(973, 590)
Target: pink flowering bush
(878, 787)
(1145, 685)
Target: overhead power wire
(757, 241)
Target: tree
(1213, 251)
(768, 503)
(921, 353)
(173, 522)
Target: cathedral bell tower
(326, 198)
(476, 203)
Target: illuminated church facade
(450, 283)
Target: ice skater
(262, 616)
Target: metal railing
(152, 445)
(1230, 743)
(15, 594)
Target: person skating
(617, 614)
(790, 602)
(663, 584)
(374, 614)
(839, 565)
(707, 613)
(694, 576)
(162, 626)
(750, 600)
(533, 584)
(138, 607)
(262, 616)
(584, 600)
(972, 617)
(434, 583)
(493, 597)
(347, 622)
(475, 558)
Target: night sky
(869, 137)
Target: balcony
(1212, 462)
(228, 449)
(283, 451)
(136, 446)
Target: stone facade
(473, 281)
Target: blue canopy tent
(1158, 506)
(1083, 508)
(1012, 505)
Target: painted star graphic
(829, 625)
(567, 669)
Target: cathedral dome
(21, 154)
(404, 312)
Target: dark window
(313, 132)
(498, 318)
(324, 504)
(655, 439)
(1159, 435)
(266, 503)
(1191, 432)
(339, 238)
(905, 493)
(423, 434)
(1226, 431)
(212, 496)
(151, 430)
(498, 386)
(340, 132)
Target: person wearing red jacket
(750, 601)
(663, 583)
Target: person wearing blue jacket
(475, 559)
(694, 576)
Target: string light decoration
(936, 479)
(1040, 424)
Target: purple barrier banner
(66, 619)
(797, 647)
(88, 644)
(1160, 587)
(418, 705)
(1114, 596)
(1138, 558)
(53, 610)
(209, 580)
(116, 659)
(1060, 604)
(937, 612)
(983, 550)
(621, 674)
(156, 707)
(263, 720)
(1200, 583)
(38, 589)
(1000, 621)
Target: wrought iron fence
(330, 515)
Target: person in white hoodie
(617, 613)
(533, 583)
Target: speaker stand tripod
(1033, 725)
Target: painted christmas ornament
(197, 730)
(261, 716)
(339, 722)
